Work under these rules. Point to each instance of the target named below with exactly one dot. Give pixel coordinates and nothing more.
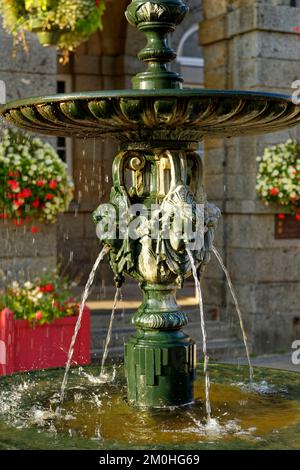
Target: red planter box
(24, 348)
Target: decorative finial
(157, 19)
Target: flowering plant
(278, 178)
(71, 21)
(41, 301)
(34, 183)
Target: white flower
(28, 285)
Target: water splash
(237, 307)
(204, 337)
(103, 376)
(85, 295)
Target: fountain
(156, 171)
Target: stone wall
(23, 255)
(251, 45)
(31, 73)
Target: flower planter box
(24, 348)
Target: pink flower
(18, 203)
(13, 184)
(39, 315)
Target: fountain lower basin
(96, 415)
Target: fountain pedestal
(160, 360)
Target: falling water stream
(109, 332)
(85, 295)
(204, 338)
(239, 312)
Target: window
(63, 144)
(190, 58)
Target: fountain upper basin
(156, 115)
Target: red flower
(25, 193)
(13, 184)
(297, 216)
(47, 288)
(27, 220)
(36, 203)
(56, 304)
(53, 184)
(34, 229)
(3, 216)
(18, 222)
(281, 216)
(39, 315)
(274, 191)
(49, 196)
(18, 203)
(40, 183)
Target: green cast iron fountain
(159, 126)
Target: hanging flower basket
(46, 38)
(61, 23)
(278, 178)
(34, 184)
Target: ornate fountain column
(164, 174)
(157, 182)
